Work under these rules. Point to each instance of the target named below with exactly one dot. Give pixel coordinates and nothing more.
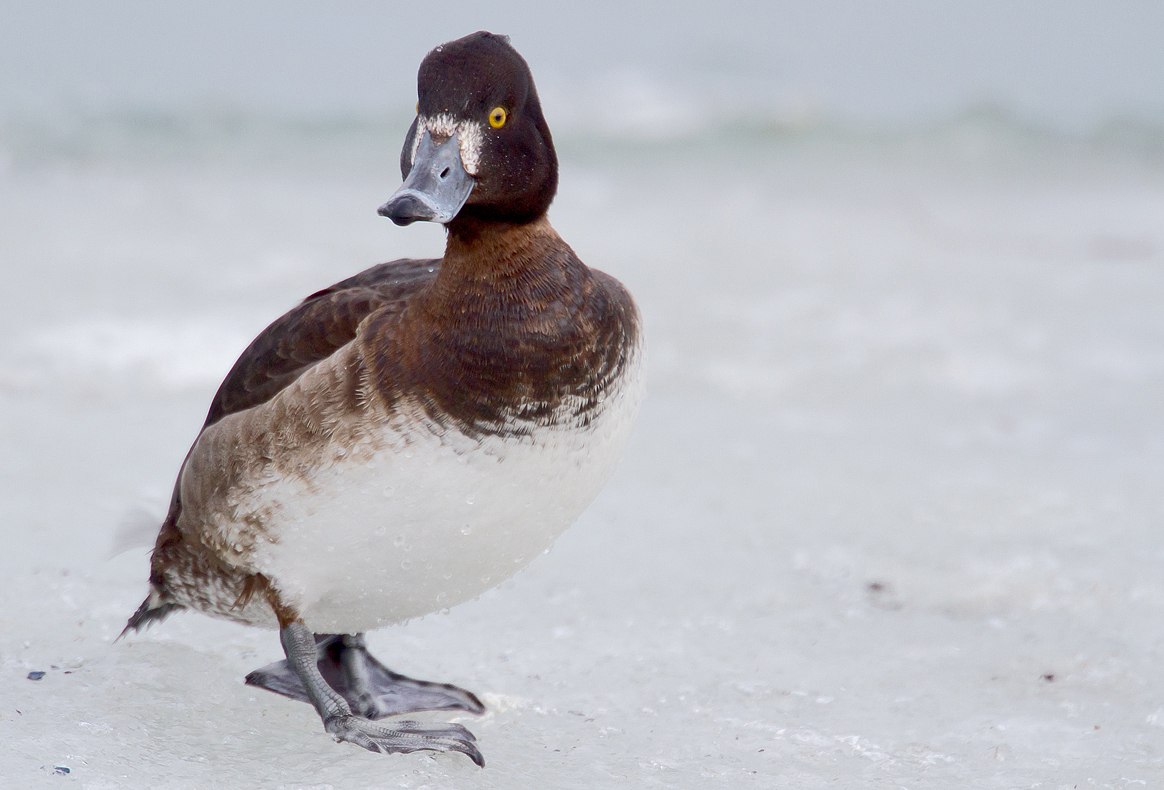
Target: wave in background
(238, 136)
(293, 81)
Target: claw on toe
(405, 737)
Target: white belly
(423, 518)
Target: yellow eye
(497, 117)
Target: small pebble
(37, 675)
(60, 769)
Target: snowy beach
(891, 515)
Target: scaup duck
(410, 437)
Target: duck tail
(158, 605)
(153, 609)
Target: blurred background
(892, 513)
(623, 69)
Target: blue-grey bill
(436, 188)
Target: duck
(410, 437)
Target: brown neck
(499, 246)
(499, 261)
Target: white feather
(469, 134)
(429, 518)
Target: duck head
(479, 149)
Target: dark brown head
(501, 167)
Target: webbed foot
(357, 678)
(370, 688)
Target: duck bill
(436, 188)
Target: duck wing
(313, 330)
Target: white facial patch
(469, 136)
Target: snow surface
(891, 516)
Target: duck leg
(370, 688)
(406, 736)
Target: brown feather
(495, 339)
(314, 330)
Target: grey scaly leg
(338, 719)
(357, 679)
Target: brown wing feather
(313, 331)
(307, 334)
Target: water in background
(173, 178)
(618, 69)
(891, 511)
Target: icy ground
(892, 516)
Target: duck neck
(501, 260)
